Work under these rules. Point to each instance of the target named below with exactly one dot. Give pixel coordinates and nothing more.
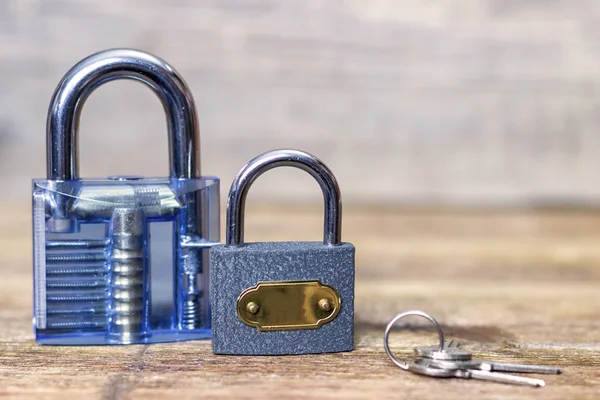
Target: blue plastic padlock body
(235, 269)
(123, 260)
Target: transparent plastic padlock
(123, 260)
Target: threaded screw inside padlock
(324, 305)
(252, 307)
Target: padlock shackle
(278, 158)
(73, 90)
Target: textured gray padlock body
(235, 269)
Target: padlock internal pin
(126, 271)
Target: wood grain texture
(513, 286)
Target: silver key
(451, 362)
(429, 367)
(490, 366)
(453, 357)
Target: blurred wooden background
(480, 102)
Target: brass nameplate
(288, 305)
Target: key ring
(386, 336)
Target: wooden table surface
(513, 286)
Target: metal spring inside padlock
(99, 271)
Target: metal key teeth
(519, 368)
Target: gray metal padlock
(275, 298)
